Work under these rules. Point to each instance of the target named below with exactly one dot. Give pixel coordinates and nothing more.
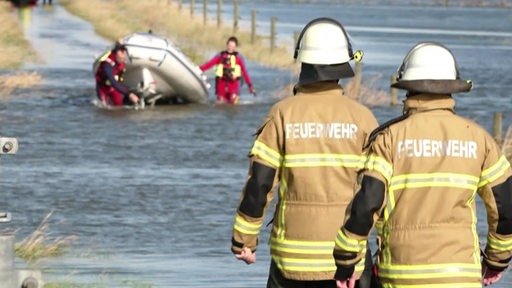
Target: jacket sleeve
(215, 60)
(365, 209)
(109, 72)
(495, 188)
(259, 188)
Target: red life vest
(117, 68)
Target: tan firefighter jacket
(314, 142)
(433, 164)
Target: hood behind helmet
(311, 73)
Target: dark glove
(252, 90)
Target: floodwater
(151, 194)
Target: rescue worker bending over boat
(109, 75)
(423, 172)
(230, 67)
(308, 145)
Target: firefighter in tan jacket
(423, 172)
(308, 146)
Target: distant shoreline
(449, 3)
(113, 19)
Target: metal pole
(235, 17)
(296, 35)
(7, 261)
(273, 20)
(394, 92)
(253, 26)
(498, 117)
(219, 13)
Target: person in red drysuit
(109, 75)
(230, 67)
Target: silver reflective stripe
(352, 246)
(493, 173)
(267, 154)
(305, 248)
(327, 160)
(420, 271)
(429, 180)
(308, 263)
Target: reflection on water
(151, 194)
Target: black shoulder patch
(265, 122)
(383, 127)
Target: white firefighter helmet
(323, 41)
(430, 67)
(324, 50)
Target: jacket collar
(317, 87)
(428, 102)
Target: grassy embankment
(15, 50)
(116, 18)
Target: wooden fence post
(273, 21)
(253, 26)
(357, 80)
(192, 4)
(180, 4)
(498, 117)
(219, 13)
(235, 17)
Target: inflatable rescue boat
(158, 71)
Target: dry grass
(116, 18)
(38, 244)
(506, 146)
(15, 49)
(368, 94)
(18, 80)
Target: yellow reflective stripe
(446, 285)
(349, 245)
(316, 160)
(283, 189)
(434, 180)
(304, 265)
(380, 165)
(246, 227)
(266, 153)
(302, 247)
(361, 264)
(449, 270)
(476, 243)
(494, 172)
(500, 245)
(388, 210)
